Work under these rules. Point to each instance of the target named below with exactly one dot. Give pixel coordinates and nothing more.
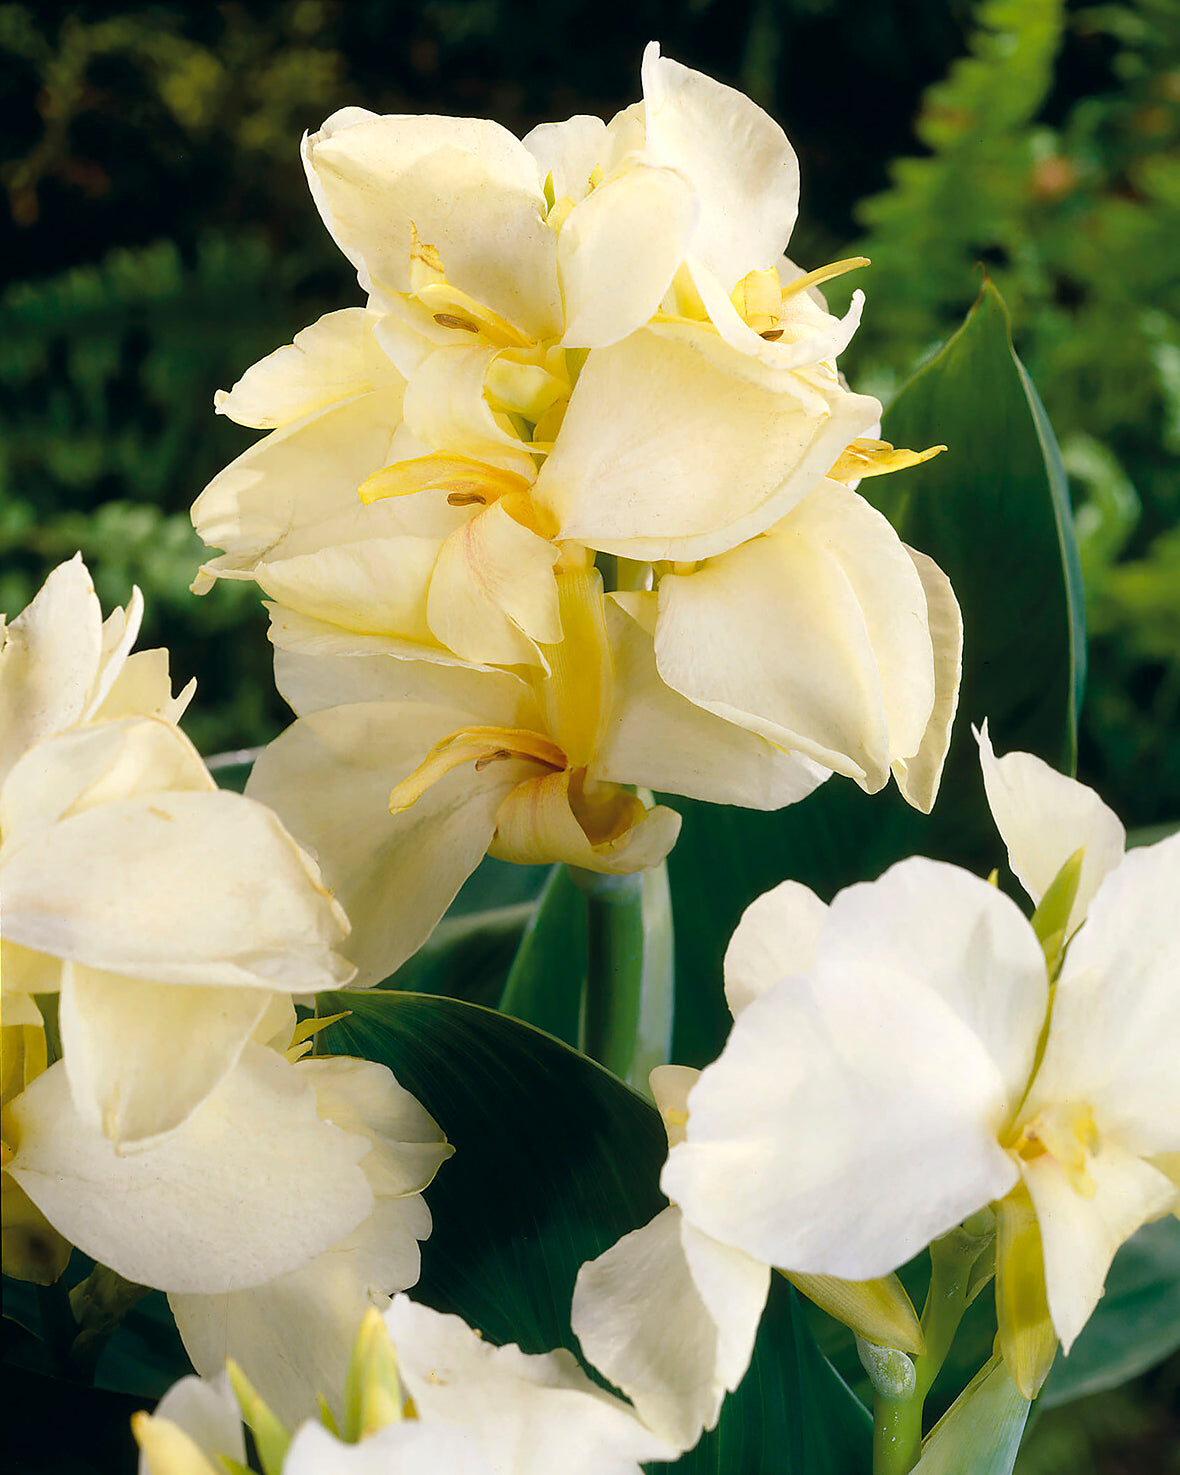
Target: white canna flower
(904, 1058)
(166, 912)
(403, 774)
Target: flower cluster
(172, 1137)
(583, 353)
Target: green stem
(614, 967)
(99, 1303)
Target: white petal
(207, 1411)
(469, 188)
(1116, 1012)
(201, 888)
(49, 660)
(618, 252)
(305, 473)
(570, 151)
(530, 1414)
(293, 1336)
(670, 1317)
(143, 688)
(658, 739)
(446, 410)
(142, 1057)
(776, 937)
(310, 683)
(849, 1120)
(664, 455)
(330, 776)
(736, 158)
(956, 937)
(406, 1448)
(1080, 1235)
(918, 775)
(1043, 817)
(333, 359)
(493, 593)
(219, 1204)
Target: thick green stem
(614, 967)
(897, 1434)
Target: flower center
(1065, 1132)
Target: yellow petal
(877, 458)
(1027, 1339)
(463, 478)
(878, 1310)
(478, 745)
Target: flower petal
(776, 937)
(658, 739)
(446, 410)
(737, 159)
(918, 775)
(141, 1057)
(618, 251)
(220, 1203)
(1043, 817)
(409, 1447)
(570, 151)
(669, 1316)
(207, 1411)
(664, 455)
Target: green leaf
(548, 976)
(993, 512)
(1134, 1326)
(555, 1160)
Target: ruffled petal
(669, 1316)
(741, 167)
(142, 1057)
(310, 683)
(1043, 817)
(445, 409)
(658, 739)
(569, 151)
(618, 251)
(219, 1204)
(776, 937)
(918, 775)
(663, 455)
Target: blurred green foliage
(160, 239)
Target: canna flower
(402, 774)
(913, 1053)
(202, 910)
(444, 1400)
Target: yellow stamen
(455, 309)
(1067, 1133)
(301, 1038)
(464, 479)
(877, 458)
(823, 274)
(576, 697)
(479, 746)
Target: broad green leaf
(555, 1160)
(993, 513)
(1134, 1326)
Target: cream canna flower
(908, 1056)
(403, 774)
(203, 908)
(445, 1399)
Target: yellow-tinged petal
(372, 1389)
(446, 409)
(1027, 1340)
(32, 1249)
(206, 1413)
(576, 697)
(670, 1085)
(478, 745)
(877, 458)
(166, 1449)
(811, 279)
(878, 1310)
(918, 775)
(271, 1439)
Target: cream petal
(207, 1411)
(142, 1057)
(293, 1336)
(219, 1204)
(1043, 817)
(658, 739)
(669, 1316)
(1081, 1234)
(329, 777)
(736, 157)
(961, 941)
(143, 688)
(466, 185)
(776, 937)
(195, 888)
(304, 473)
(23, 972)
(670, 1085)
(618, 251)
(446, 410)
(49, 661)
(307, 638)
(569, 151)
(408, 1447)
(663, 455)
(1116, 1008)
(848, 1121)
(918, 775)
(493, 594)
(374, 587)
(309, 683)
(331, 360)
(530, 1414)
